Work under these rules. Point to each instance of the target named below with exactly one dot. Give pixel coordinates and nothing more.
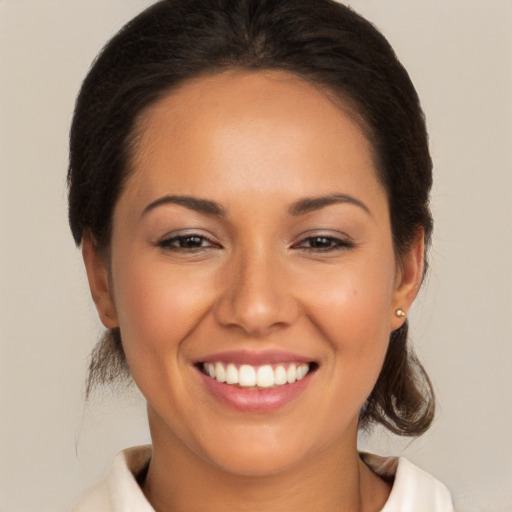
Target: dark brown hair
(320, 41)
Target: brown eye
(323, 243)
(190, 242)
(187, 242)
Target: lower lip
(254, 400)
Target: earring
(400, 313)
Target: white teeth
(302, 370)
(231, 374)
(247, 376)
(220, 373)
(291, 374)
(280, 377)
(265, 376)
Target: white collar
(413, 489)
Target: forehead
(262, 130)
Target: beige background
(459, 54)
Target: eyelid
(340, 241)
(166, 241)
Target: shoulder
(413, 489)
(96, 498)
(119, 491)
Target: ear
(99, 283)
(408, 280)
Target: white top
(413, 490)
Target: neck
(335, 480)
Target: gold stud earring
(400, 313)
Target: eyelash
(326, 244)
(175, 243)
(194, 243)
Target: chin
(255, 461)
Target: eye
(187, 242)
(322, 243)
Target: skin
(323, 283)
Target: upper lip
(254, 358)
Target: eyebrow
(192, 203)
(300, 207)
(310, 204)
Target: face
(252, 243)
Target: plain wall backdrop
(53, 446)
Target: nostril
(257, 298)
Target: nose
(257, 295)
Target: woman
(249, 182)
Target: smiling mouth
(256, 377)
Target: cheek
(157, 308)
(355, 300)
(352, 308)
(357, 327)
